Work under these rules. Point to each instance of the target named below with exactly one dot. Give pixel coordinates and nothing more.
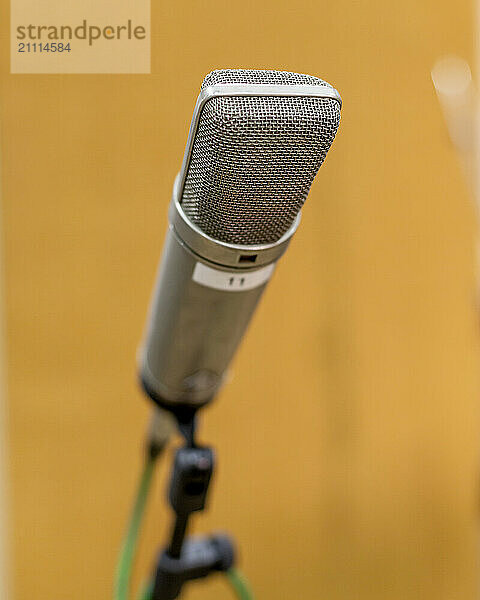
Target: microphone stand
(187, 558)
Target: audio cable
(160, 431)
(128, 550)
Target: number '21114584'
(47, 47)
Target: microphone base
(201, 556)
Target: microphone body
(205, 294)
(253, 149)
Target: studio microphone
(256, 142)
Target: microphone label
(229, 281)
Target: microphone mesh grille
(255, 158)
(265, 77)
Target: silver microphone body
(217, 259)
(202, 303)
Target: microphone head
(256, 142)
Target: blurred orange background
(347, 439)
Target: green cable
(125, 561)
(240, 584)
(146, 592)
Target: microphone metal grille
(254, 158)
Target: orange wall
(348, 437)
